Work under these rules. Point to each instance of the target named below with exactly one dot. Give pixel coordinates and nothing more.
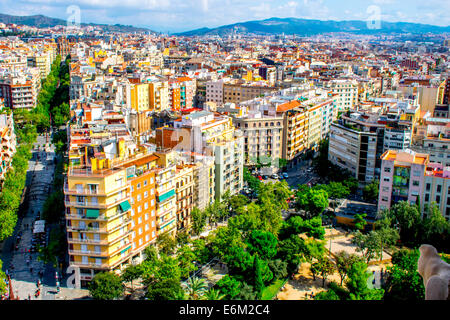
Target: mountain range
(307, 27)
(41, 21)
(288, 26)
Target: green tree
(213, 294)
(324, 267)
(313, 201)
(435, 229)
(203, 252)
(53, 209)
(277, 193)
(196, 288)
(335, 190)
(246, 292)
(403, 281)
(359, 221)
(370, 191)
(292, 251)
(166, 243)
(262, 243)
(344, 261)
(259, 282)
(238, 201)
(229, 286)
(182, 237)
(357, 283)
(131, 272)
(167, 289)
(406, 219)
(185, 257)
(198, 220)
(368, 244)
(278, 268)
(106, 286)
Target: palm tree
(213, 294)
(196, 287)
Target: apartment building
(262, 137)
(184, 189)
(295, 129)
(8, 143)
(140, 169)
(238, 91)
(204, 177)
(347, 91)
(235, 91)
(356, 144)
(437, 189)
(159, 95)
(402, 177)
(208, 134)
(98, 219)
(20, 90)
(43, 61)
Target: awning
(92, 213)
(125, 249)
(125, 206)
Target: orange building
(142, 178)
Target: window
(139, 209)
(152, 192)
(138, 197)
(415, 183)
(145, 182)
(145, 194)
(146, 205)
(385, 199)
(138, 186)
(146, 216)
(438, 199)
(153, 223)
(387, 169)
(427, 197)
(151, 180)
(153, 234)
(428, 187)
(153, 213)
(438, 189)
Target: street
(23, 265)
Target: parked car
(260, 178)
(265, 177)
(275, 176)
(285, 175)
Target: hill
(306, 27)
(41, 21)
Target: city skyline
(193, 14)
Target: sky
(182, 15)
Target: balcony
(89, 252)
(97, 205)
(161, 225)
(87, 241)
(90, 264)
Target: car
(285, 175)
(260, 178)
(274, 176)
